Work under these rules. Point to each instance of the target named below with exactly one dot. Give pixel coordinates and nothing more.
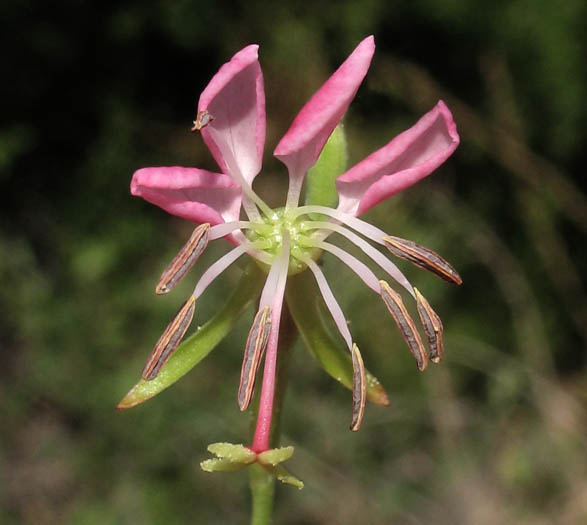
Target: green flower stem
(262, 493)
(262, 484)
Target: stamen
(432, 326)
(221, 230)
(422, 257)
(218, 267)
(184, 260)
(371, 252)
(255, 250)
(203, 118)
(353, 263)
(396, 308)
(169, 340)
(359, 389)
(368, 230)
(329, 299)
(256, 344)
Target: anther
(203, 118)
(184, 260)
(422, 257)
(406, 325)
(256, 344)
(359, 389)
(170, 339)
(432, 326)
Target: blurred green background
(92, 91)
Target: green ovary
(270, 232)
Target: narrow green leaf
(310, 316)
(320, 180)
(202, 342)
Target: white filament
(373, 253)
(223, 229)
(368, 230)
(367, 276)
(330, 300)
(218, 267)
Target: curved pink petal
(408, 158)
(193, 194)
(302, 144)
(235, 98)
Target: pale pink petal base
(235, 98)
(196, 195)
(301, 145)
(408, 158)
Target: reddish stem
(265, 414)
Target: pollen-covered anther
(170, 339)
(203, 118)
(422, 257)
(359, 389)
(405, 323)
(432, 326)
(184, 260)
(254, 349)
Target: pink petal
(193, 194)
(302, 144)
(409, 157)
(235, 98)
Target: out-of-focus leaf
(201, 343)
(310, 313)
(320, 186)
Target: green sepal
(238, 453)
(221, 465)
(311, 315)
(191, 351)
(320, 180)
(229, 458)
(232, 457)
(275, 456)
(282, 474)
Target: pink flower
(231, 119)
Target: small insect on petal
(432, 326)
(203, 118)
(184, 260)
(396, 308)
(170, 339)
(422, 257)
(359, 389)
(256, 343)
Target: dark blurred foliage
(92, 91)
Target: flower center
(270, 231)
